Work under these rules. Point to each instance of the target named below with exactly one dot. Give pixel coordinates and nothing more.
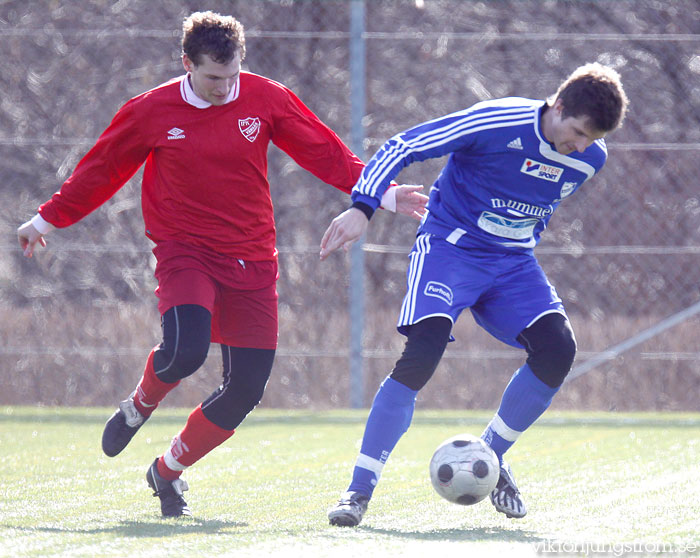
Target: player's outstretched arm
(345, 229)
(28, 237)
(410, 201)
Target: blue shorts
(506, 292)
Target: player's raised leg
(186, 338)
(551, 347)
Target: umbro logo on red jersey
(176, 133)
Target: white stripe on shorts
(415, 270)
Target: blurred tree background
(80, 317)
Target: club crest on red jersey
(249, 127)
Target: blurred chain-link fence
(80, 317)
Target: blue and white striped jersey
(502, 181)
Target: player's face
(211, 81)
(571, 133)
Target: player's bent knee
(186, 340)
(553, 365)
(246, 372)
(425, 344)
(551, 347)
(228, 408)
(188, 358)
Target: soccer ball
(464, 469)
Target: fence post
(357, 260)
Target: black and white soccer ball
(464, 469)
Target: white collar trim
(547, 151)
(190, 97)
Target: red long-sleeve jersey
(205, 180)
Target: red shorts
(241, 296)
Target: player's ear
(558, 107)
(187, 63)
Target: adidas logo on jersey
(515, 144)
(176, 133)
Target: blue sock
(389, 417)
(525, 398)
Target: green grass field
(594, 483)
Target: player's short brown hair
(221, 37)
(595, 91)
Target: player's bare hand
(343, 231)
(411, 201)
(28, 238)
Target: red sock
(197, 438)
(150, 390)
(166, 472)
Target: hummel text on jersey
(540, 170)
(176, 133)
(515, 144)
(521, 208)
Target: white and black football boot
(349, 510)
(172, 504)
(506, 497)
(121, 427)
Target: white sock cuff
(369, 463)
(172, 463)
(503, 430)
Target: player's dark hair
(221, 37)
(595, 91)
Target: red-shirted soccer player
(206, 206)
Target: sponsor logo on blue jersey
(439, 290)
(498, 225)
(541, 170)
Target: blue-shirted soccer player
(511, 162)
